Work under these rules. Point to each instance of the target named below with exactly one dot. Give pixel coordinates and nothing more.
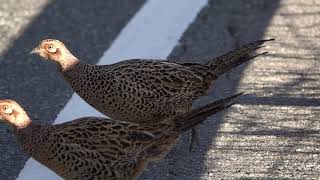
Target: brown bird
(142, 90)
(101, 148)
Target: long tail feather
(226, 62)
(191, 119)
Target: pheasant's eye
(7, 110)
(51, 49)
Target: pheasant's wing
(168, 81)
(96, 147)
(103, 135)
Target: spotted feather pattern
(146, 90)
(100, 148)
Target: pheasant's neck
(19, 130)
(73, 71)
(76, 75)
(31, 137)
(89, 81)
(68, 64)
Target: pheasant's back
(139, 90)
(88, 148)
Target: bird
(142, 90)
(101, 148)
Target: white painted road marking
(152, 33)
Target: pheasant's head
(12, 113)
(55, 51)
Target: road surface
(273, 133)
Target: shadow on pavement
(220, 27)
(88, 29)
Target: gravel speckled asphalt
(274, 131)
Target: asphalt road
(272, 134)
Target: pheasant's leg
(194, 138)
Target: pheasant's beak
(35, 51)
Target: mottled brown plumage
(101, 148)
(142, 90)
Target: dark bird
(142, 90)
(101, 148)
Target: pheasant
(101, 148)
(142, 90)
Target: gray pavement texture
(87, 27)
(274, 131)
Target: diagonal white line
(152, 33)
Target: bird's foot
(194, 139)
